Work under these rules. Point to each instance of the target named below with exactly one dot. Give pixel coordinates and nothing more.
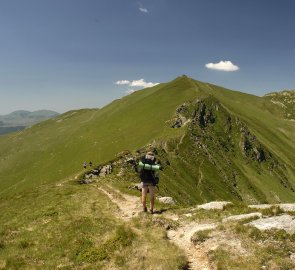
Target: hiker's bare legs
(144, 191)
(152, 197)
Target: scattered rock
(89, 176)
(284, 206)
(177, 124)
(283, 222)
(260, 206)
(287, 206)
(166, 200)
(136, 187)
(131, 160)
(241, 217)
(182, 108)
(85, 181)
(95, 172)
(218, 205)
(107, 169)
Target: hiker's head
(150, 155)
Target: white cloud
(144, 10)
(136, 83)
(142, 83)
(223, 66)
(122, 82)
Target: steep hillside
(223, 158)
(213, 156)
(214, 143)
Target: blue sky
(69, 54)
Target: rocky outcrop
(250, 146)
(124, 164)
(242, 217)
(288, 207)
(180, 118)
(283, 222)
(93, 175)
(135, 187)
(89, 177)
(202, 115)
(217, 205)
(105, 170)
(166, 200)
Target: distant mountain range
(21, 119)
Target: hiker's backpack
(149, 171)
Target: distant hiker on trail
(84, 165)
(90, 164)
(148, 166)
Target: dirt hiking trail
(130, 206)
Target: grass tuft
(200, 236)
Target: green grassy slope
(277, 134)
(224, 159)
(216, 167)
(69, 226)
(55, 149)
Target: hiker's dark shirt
(148, 176)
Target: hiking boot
(151, 211)
(144, 209)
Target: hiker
(84, 165)
(90, 164)
(148, 181)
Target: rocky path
(197, 255)
(130, 206)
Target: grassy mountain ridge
(55, 149)
(213, 155)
